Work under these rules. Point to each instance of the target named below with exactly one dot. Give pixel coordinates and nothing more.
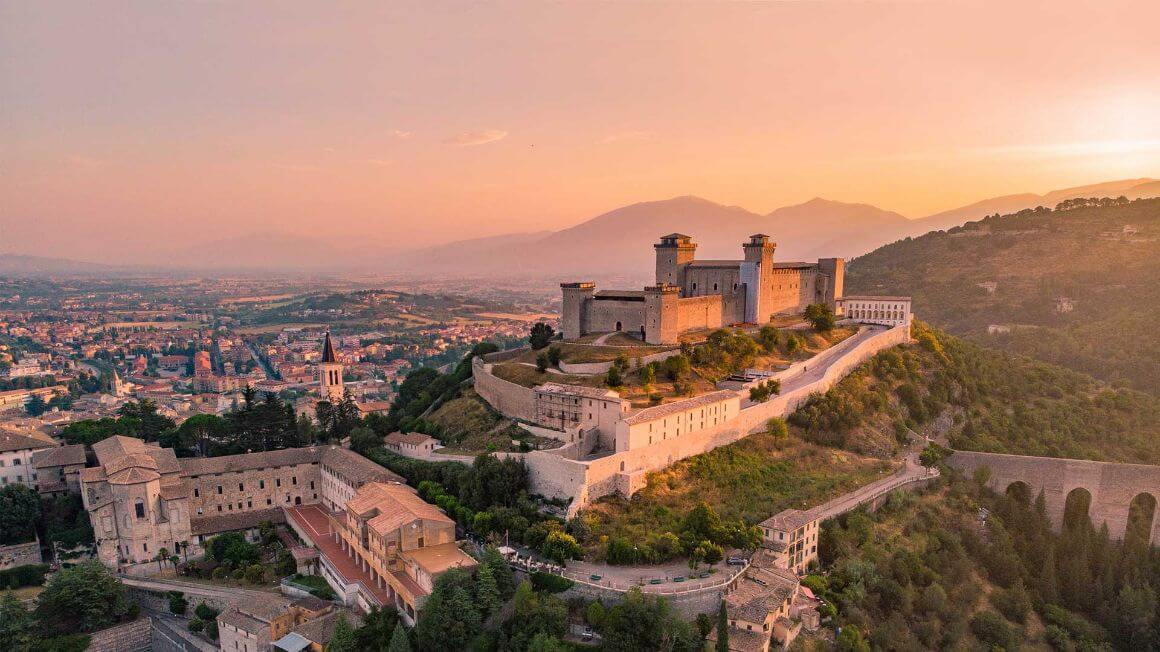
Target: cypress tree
(722, 629)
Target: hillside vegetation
(1080, 252)
(980, 399)
(928, 571)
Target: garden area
(467, 425)
(232, 560)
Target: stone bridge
(1112, 487)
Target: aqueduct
(1112, 486)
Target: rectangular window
(277, 482)
(219, 490)
(294, 480)
(241, 487)
(268, 502)
(261, 484)
(140, 509)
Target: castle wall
(604, 314)
(513, 400)
(702, 281)
(700, 312)
(792, 289)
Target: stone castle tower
(330, 386)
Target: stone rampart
(706, 311)
(509, 398)
(1112, 486)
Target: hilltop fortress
(692, 294)
(608, 444)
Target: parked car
(736, 561)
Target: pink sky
(125, 123)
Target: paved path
(227, 593)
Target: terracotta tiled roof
(576, 390)
(356, 468)
(319, 630)
(228, 522)
(396, 505)
(10, 441)
(59, 456)
(438, 558)
(175, 490)
(235, 618)
(678, 407)
(191, 466)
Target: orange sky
(128, 123)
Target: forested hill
(1075, 286)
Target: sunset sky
(125, 124)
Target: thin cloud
(471, 138)
(381, 162)
(400, 134)
(632, 134)
(87, 161)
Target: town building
(410, 444)
(256, 624)
(400, 542)
(58, 469)
(691, 294)
(882, 310)
(16, 457)
(761, 611)
(792, 536)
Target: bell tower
(329, 374)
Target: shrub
(255, 574)
(205, 612)
(27, 575)
(594, 613)
(196, 625)
(993, 630)
(177, 603)
(550, 583)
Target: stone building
(141, 498)
(17, 452)
(882, 310)
(58, 470)
(565, 407)
(792, 536)
(400, 542)
(691, 294)
(255, 624)
(760, 607)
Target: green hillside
(1107, 273)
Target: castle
(691, 294)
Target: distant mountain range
(616, 243)
(619, 241)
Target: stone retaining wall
(513, 400)
(594, 368)
(20, 554)
(129, 637)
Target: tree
(851, 640)
(820, 316)
(561, 546)
(594, 614)
(542, 362)
(342, 638)
(613, 377)
(364, 439)
(83, 598)
(178, 605)
(15, 622)
(19, 514)
(505, 581)
(449, 619)
(486, 591)
(554, 355)
(36, 406)
(540, 335)
(544, 642)
(722, 628)
(399, 640)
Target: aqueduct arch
(1113, 487)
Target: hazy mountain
(619, 242)
(21, 265)
(1130, 188)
